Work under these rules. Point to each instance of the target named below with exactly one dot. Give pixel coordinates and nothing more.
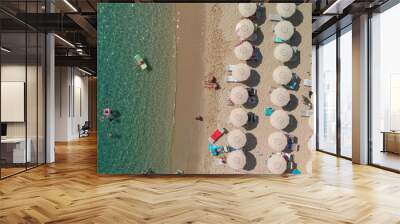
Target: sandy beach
(205, 41)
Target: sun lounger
(306, 113)
(229, 68)
(230, 79)
(275, 17)
(307, 82)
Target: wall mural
(204, 88)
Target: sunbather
(211, 78)
(199, 118)
(211, 85)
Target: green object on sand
(296, 172)
(268, 111)
(278, 40)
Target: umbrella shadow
(252, 123)
(257, 60)
(292, 124)
(251, 142)
(296, 39)
(297, 18)
(251, 103)
(253, 80)
(251, 161)
(261, 16)
(295, 60)
(259, 37)
(293, 103)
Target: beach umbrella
(280, 97)
(277, 164)
(247, 9)
(244, 51)
(241, 72)
(283, 52)
(236, 139)
(244, 28)
(238, 117)
(284, 30)
(236, 159)
(286, 10)
(282, 75)
(277, 141)
(239, 95)
(280, 119)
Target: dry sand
(205, 40)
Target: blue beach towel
(214, 149)
(278, 40)
(268, 111)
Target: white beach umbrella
(244, 28)
(283, 52)
(241, 72)
(236, 139)
(280, 97)
(286, 10)
(277, 141)
(236, 159)
(282, 75)
(280, 119)
(239, 95)
(238, 117)
(277, 164)
(247, 9)
(244, 51)
(284, 30)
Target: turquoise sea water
(143, 102)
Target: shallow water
(143, 102)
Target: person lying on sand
(230, 103)
(211, 78)
(211, 82)
(199, 118)
(211, 86)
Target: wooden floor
(70, 191)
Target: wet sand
(205, 45)
(189, 93)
